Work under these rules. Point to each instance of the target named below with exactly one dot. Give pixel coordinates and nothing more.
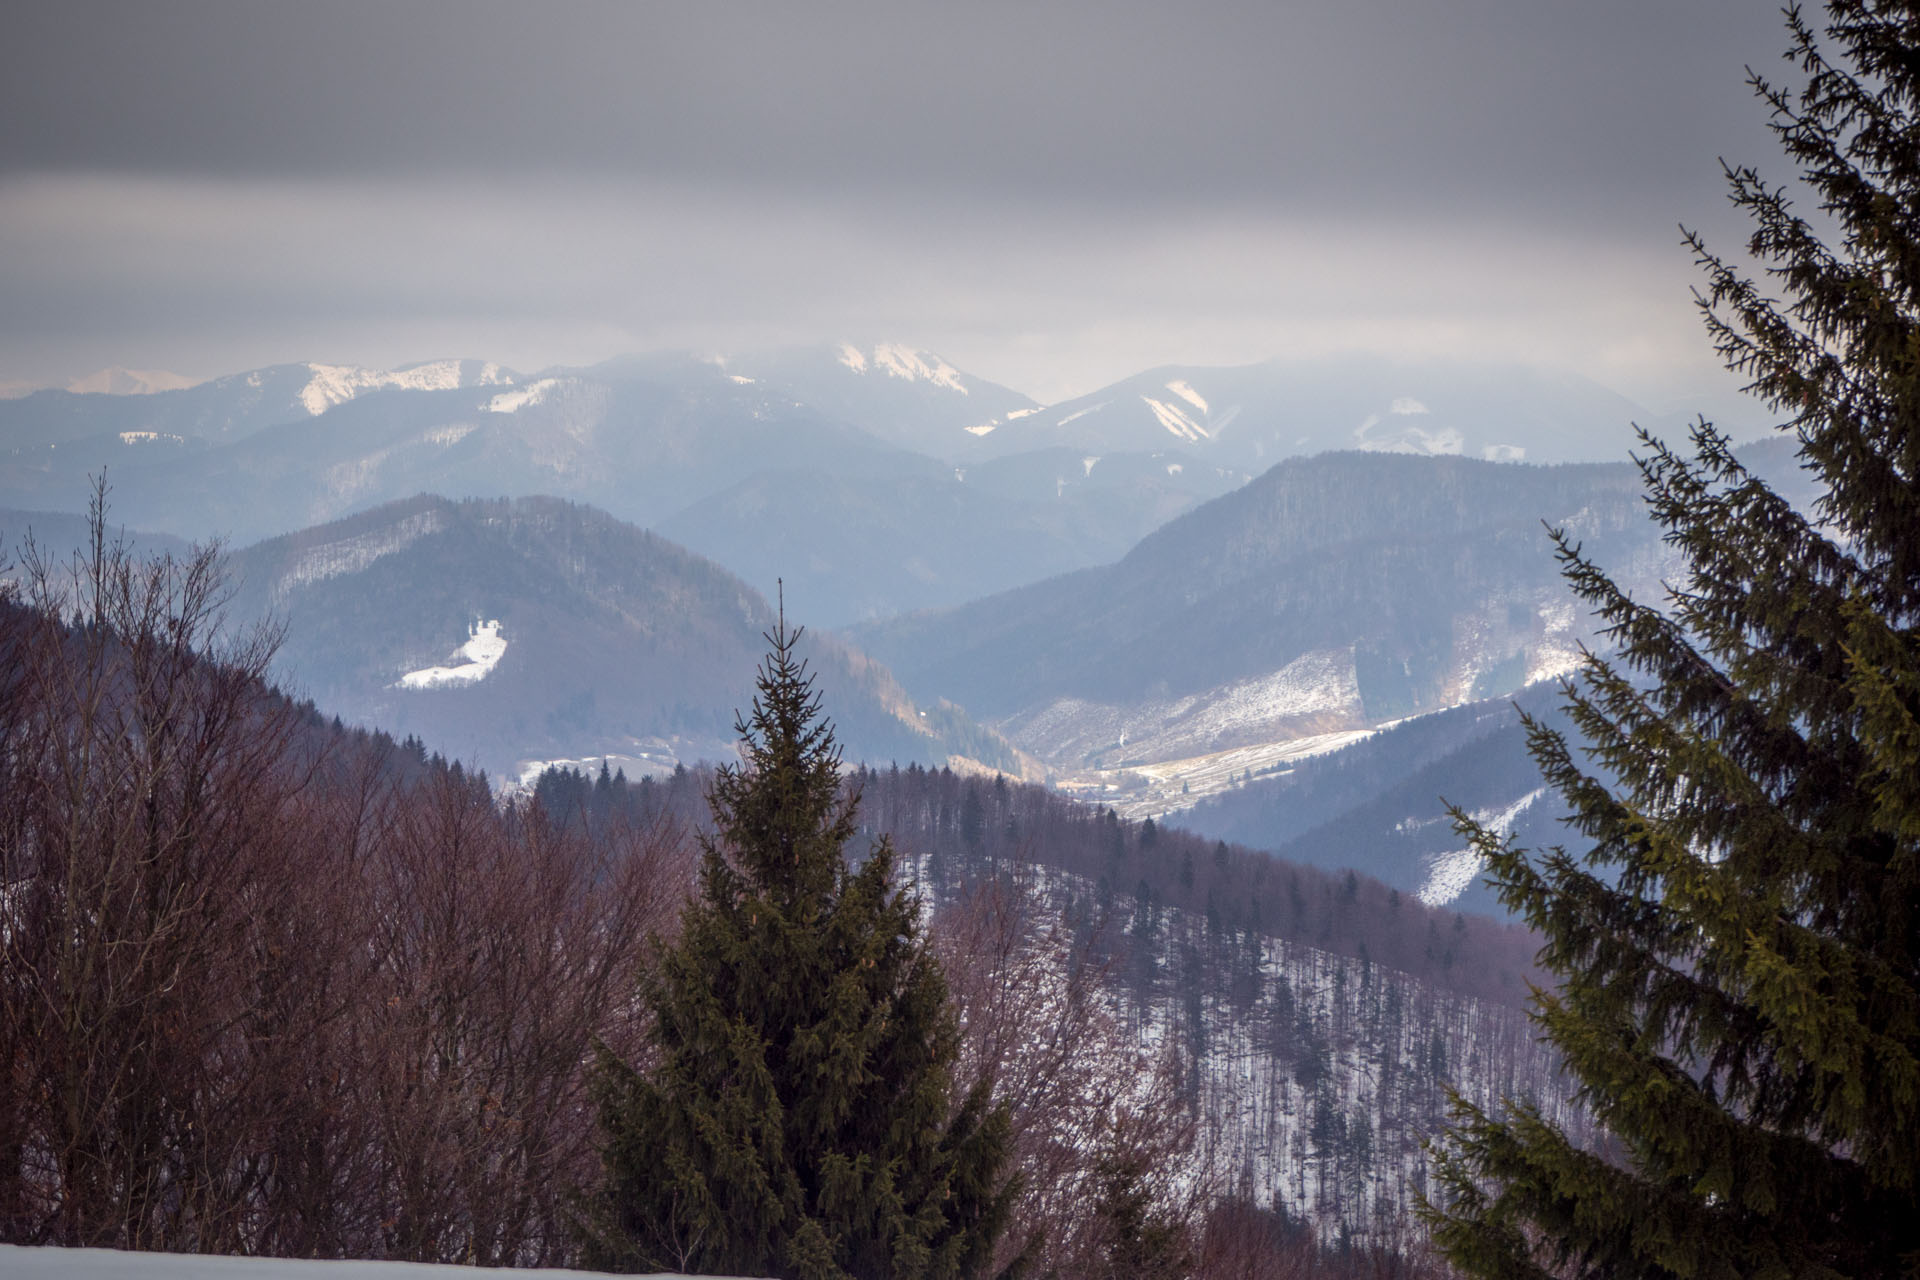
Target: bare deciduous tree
(266, 987)
(1093, 1108)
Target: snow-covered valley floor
(1166, 786)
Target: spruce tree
(797, 1117)
(1737, 944)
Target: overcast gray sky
(1049, 194)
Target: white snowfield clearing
(19, 1262)
(531, 394)
(1452, 873)
(483, 650)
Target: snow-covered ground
(21, 1263)
(1314, 693)
(482, 652)
(1318, 1075)
(1166, 786)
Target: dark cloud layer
(1560, 103)
(1056, 192)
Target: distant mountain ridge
(917, 485)
(903, 395)
(220, 409)
(730, 462)
(508, 632)
(1332, 595)
(1249, 417)
(1318, 554)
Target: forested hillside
(1430, 572)
(276, 986)
(1307, 1023)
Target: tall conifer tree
(798, 1119)
(1738, 949)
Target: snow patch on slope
(1081, 413)
(1558, 653)
(1185, 391)
(1175, 421)
(904, 362)
(483, 650)
(986, 428)
(917, 366)
(531, 394)
(1452, 873)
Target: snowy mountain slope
(1318, 1017)
(227, 408)
(1316, 1077)
(1379, 804)
(502, 632)
(1329, 597)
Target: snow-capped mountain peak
(333, 384)
(904, 362)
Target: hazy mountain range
(1093, 592)
(510, 632)
(909, 483)
(1331, 596)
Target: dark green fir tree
(798, 1115)
(1736, 938)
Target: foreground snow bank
(18, 1262)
